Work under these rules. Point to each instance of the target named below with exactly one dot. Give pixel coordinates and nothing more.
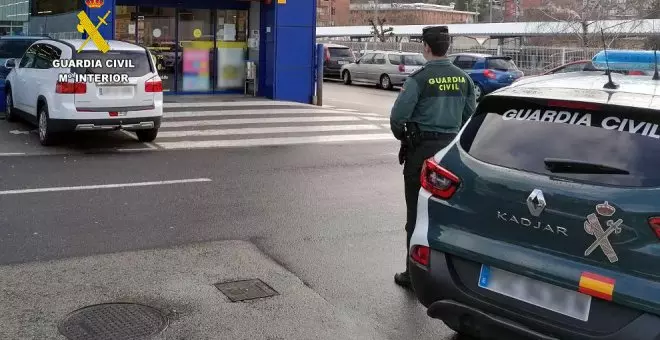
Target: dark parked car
(13, 47)
(541, 220)
(488, 72)
(336, 56)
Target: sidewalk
(180, 283)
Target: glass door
(156, 30)
(196, 41)
(231, 43)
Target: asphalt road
(361, 97)
(331, 214)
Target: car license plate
(342, 62)
(537, 293)
(115, 90)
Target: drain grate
(246, 290)
(113, 321)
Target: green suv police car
(542, 219)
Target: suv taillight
(70, 88)
(327, 54)
(153, 86)
(490, 74)
(654, 222)
(421, 254)
(402, 68)
(437, 180)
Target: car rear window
(395, 59)
(139, 58)
(14, 48)
(504, 64)
(413, 59)
(341, 52)
(523, 134)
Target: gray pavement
(319, 221)
(180, 283)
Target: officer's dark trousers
(411, 178)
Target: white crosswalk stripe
(253, 123)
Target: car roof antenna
(610, 84)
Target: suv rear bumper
(129, 124)
(440, 289)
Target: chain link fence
(530, 59)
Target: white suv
(35, 89)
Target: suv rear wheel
(10, 114)
(146, 136)
(46, 135)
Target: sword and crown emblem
(94, 3)
(593, 227)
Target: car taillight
(490, 74)
(439, 181)
(327, 55)
(402, 68)
(70, 88)
(153, 86)
(421, 254)
(574, 105)
(654, 222)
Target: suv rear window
(139, 58)
(340, 52)
(14, 48)
(527, 135)
(504, 64)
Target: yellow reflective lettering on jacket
(447, 83)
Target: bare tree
(379, 31)
(582, 18)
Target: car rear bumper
(398, 79)
(448, 298)
(128, 124)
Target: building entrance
(196, 50)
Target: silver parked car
(383, 68)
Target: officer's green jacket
(439, 97)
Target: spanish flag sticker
(596, 285)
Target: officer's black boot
(403, 279)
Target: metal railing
(530, 59)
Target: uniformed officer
(434, 103)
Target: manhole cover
(113, 321)
(246, 290)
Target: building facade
(204, 46)
(329, 11)
(406, 14)
(14, 16)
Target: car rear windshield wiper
(558, 165)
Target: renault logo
(536, 202)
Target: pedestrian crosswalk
(248, 123)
